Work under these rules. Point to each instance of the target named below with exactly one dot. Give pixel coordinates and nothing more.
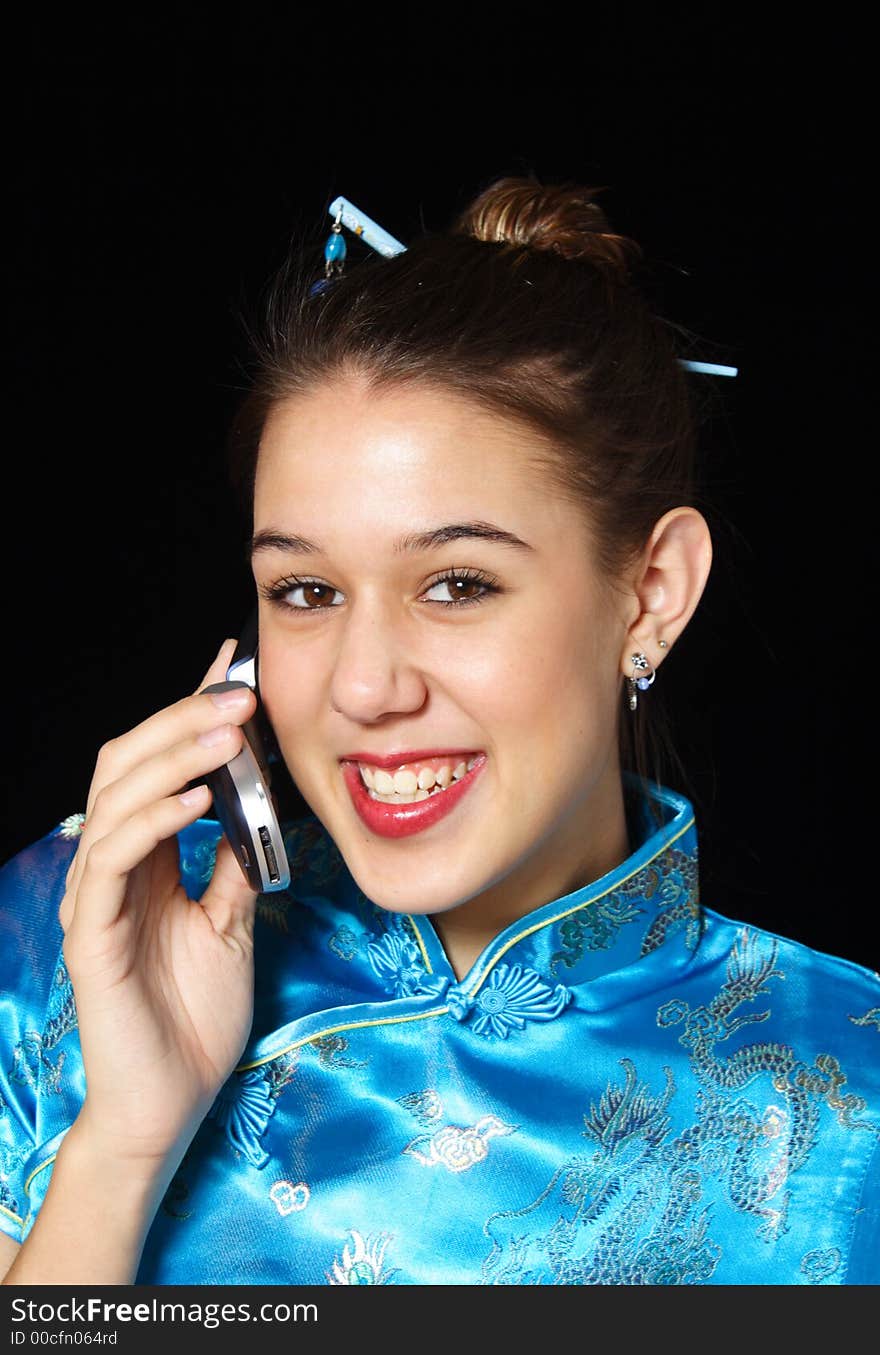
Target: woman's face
(436, 652)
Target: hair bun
(557, 218)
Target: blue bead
(643, 683)
(334, 248)
(319, 286)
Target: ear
(668, 585)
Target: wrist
(138, 1182)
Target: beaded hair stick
(345, 213)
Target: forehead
(399, 454)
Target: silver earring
(640, 665)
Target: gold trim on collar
(334, 1030)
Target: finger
(103, 883)
(159, 776)
(229, 900)
(217, 671)
(167, 772)
(191, 715)
(112, 761)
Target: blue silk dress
(627, 1088)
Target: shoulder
(36, 867)
(32, 885)
(825, 974)
(826, 1007)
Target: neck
(572, 858)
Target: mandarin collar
(626, 932)
(649, 902)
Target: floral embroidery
(511, 996)
(243, 1109)
(670, 884)
(397, 963)
(426, 1106)
(331, 1052)
(289, 1198)
(819, 1266)
(457, 1148)
(594, 927)
(72, 826)
(363, 1261)
(279, 1072)
(870, 1018)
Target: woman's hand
(163, 985)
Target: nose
(374, 674)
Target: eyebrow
(269, 539)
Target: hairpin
(345, 213)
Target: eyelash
(277, 592)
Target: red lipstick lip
(402, 820)
(387, 760)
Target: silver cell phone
(242, 788)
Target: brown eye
(462, 590)
(315, 593)
(317, 596)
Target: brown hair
(529, 306)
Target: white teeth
(404, 799)
(405, 786)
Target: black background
(159, 166)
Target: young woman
(489, 1034)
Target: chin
(395, 896)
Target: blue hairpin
(345, 213)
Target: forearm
(93, 1222)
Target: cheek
(290, 686)
(550, 680)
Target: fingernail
(227, 695)
(212, 736)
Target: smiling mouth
(402, 813)
(415, 781)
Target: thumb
(229, 901)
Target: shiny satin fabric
(627, 1088)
